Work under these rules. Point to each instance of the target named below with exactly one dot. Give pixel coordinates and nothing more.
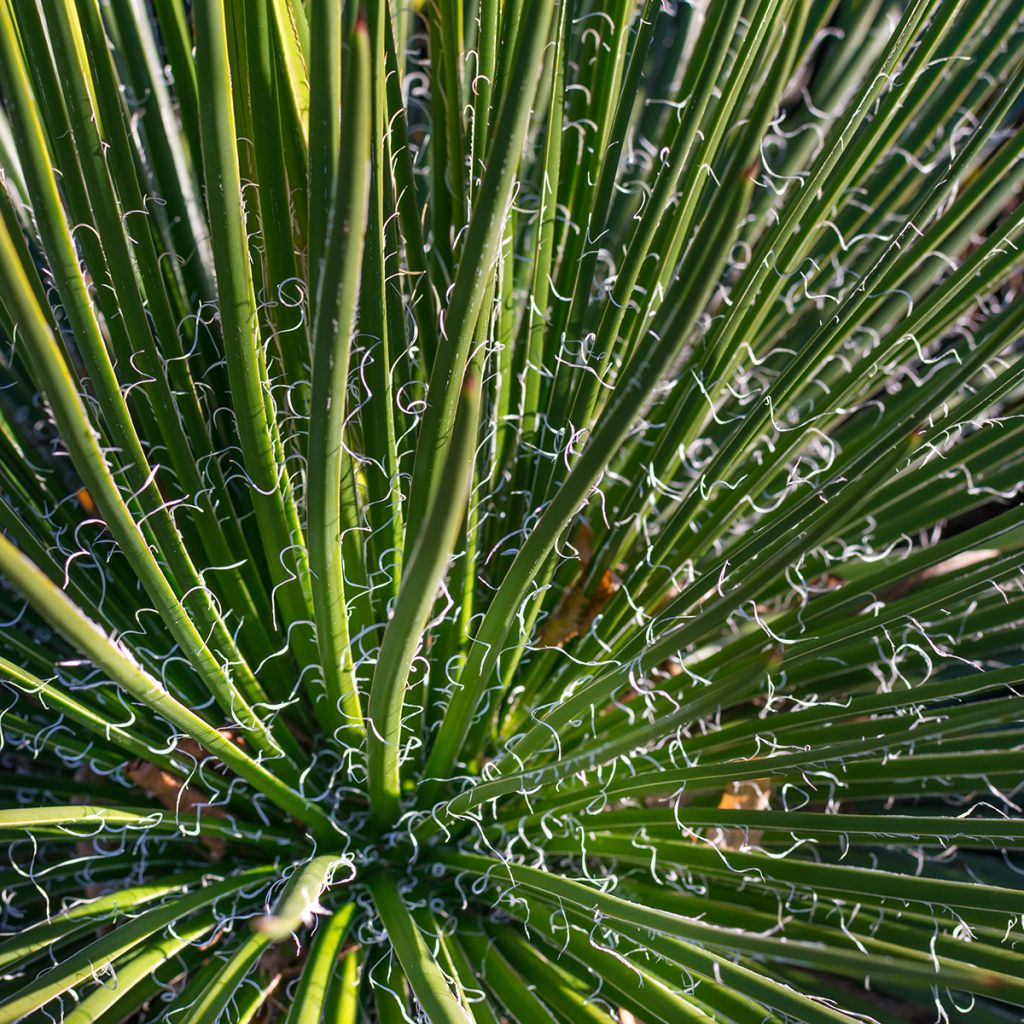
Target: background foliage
(542, 545)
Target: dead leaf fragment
(742, 795)
(183, 799)
(576, 612)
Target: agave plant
(509, 511)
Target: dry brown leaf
(742, 795)
(563, 623)
(185, 799)
(576, 612)
(583, 542)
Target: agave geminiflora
(507, 510)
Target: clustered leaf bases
(510, 511)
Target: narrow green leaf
(425, 977)
(332, 337)
(403, 633)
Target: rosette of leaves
(510, 511)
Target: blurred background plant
(511, 511)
